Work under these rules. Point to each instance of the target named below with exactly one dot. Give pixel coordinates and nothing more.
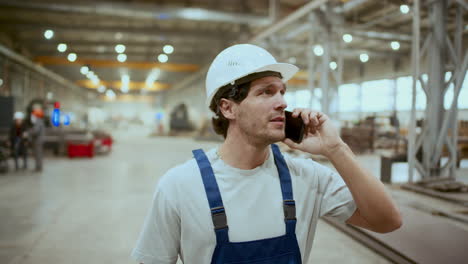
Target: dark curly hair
(230, 92)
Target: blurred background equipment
(180, 120)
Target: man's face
(260, 115)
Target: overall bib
(277, 250)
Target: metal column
(325, 71)
(440, 125)
(311, 62)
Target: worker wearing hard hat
(37, 135)
(245, 201)
(18, 140)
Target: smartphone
(294, 127)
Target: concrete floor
(91, 210)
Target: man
(245, 202)
(18, 137)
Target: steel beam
(371, 33)
(415, 60)
(311, 62)
(436, 85)
(143, 11)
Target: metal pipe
(304, 10)
(415, 65)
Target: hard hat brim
(287, 70)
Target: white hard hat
(18, 115)
(239, 61)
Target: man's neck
(239, 153)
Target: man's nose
(280, 102)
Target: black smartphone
(294, 127)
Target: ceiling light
(90, 74)
(333, 65)
(120, 48)
(163, 58)
(395, 45)
(404, 9)
(125, 78)
(125, 83)
(62, 47)
(95, 80)
(48, 34)
(364, 57)
(101, 88)
(318, 50)
(347, 38)
(152, 78)
(122, 57)
(84, 70)
(168, 49)
(110, 94)
(72, 57)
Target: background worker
(18, 140)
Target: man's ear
(227, 108)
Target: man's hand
(321, 136)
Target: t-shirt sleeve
(337, 200)
(159, 240)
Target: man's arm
(375, 209)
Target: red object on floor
(81, 149)
(107, 142)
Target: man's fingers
(305, 117)
(290, 143)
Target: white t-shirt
(179, 221)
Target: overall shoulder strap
(215, 201)
(289, 205)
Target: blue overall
(277, 250)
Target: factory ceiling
(146, 46)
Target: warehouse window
(462, 98)
(349, 97)
(377, 96)
(301, 99)
(405, 94)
